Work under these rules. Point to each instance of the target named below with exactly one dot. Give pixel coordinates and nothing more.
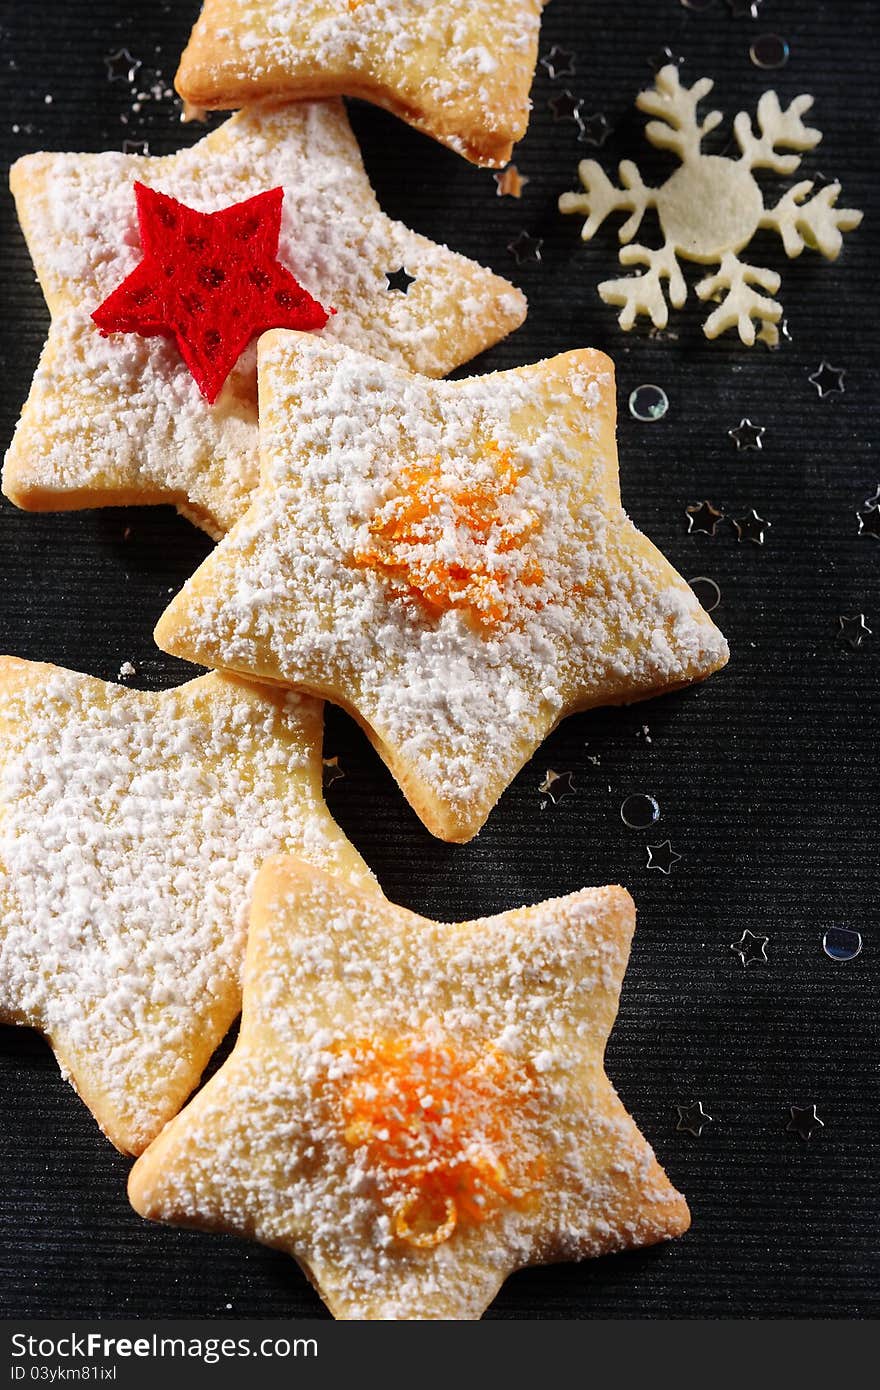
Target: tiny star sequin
(692, 1119)
(121, 67)
(747, 435)
(702, 518)
(510, 182)
(565, 107)
(828, 380)
(804, 1122)
(593, 130)
(751, 527)
(557, 785)
(853, 630)
(751, 948)
(525, 248)
(662, 857)
(558, 62)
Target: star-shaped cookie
(131, 829)
(448, 561)
(414, 1110)
(119, 420)
(459, 70)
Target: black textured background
(766, 776)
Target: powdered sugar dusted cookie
(118, 419)
(449, 561)
(459, 70)
(131, 829)
(414, 1110)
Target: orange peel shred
(405, 549)
(438, 1126)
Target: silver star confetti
(751, 527)
(828, 380)
(804, 1122)
(702, 518)
(853, 630)
(593, 130)
(121, 67)
(565, 107)
(558, 62)
(509, 182)
(692, 1119)
(662, 857)
(747, 435)
(525, 248)
(751, 948)
(557, 785)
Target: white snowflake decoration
(710, 208)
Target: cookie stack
(412, 1109)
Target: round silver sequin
(648, 403)
(842, 943)
(698, 6)
(769, 51)
(707, 592)
(639, 811)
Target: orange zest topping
(459, 548)
(426, 1230)
(442, 1132)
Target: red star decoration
(210, 280)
